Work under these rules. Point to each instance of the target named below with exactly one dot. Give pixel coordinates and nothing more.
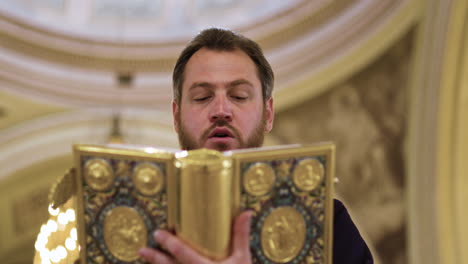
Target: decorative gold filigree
(124, 233)
(148, 179)
(259, 179)
(283, 234)
(284, 168)
(98, 174)
(63, 189)
(308, 174)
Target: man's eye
(201, 99)
(239, 98)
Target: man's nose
(221, 110)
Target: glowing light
(62, 252)
(43, 229)
(150, 150)
(39, 246)
(62, 219)
(53, 211)
(70, 243)
(51, 226)
(181, 154)
(41, 241)
(45, 254)
(42, 238)
(54, 256)
(70, 215)
(73, 233)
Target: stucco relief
(365, 116)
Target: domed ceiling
(82, 53)
(141, 20)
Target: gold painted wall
(23, 207)
(366, 116)
(437, 140)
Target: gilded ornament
(98, 174)
(124, 233)
(148, 179)
(63, 189)
(284, 168)
(259, 179)
(308, 174)
(283, 234)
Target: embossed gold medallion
(98, 174)
(283, 234)
(148, 179)
(259, 179)
(308, 174)
(124, 233)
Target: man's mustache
(221, 123)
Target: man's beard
(187, 142)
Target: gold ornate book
(124, 193)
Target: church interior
(386, 80)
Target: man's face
(221, 105)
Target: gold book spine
(204, 205)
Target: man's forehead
(205, 55)
(233, 68)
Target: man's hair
(223, 40)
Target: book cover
(124, 193)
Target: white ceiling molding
(182, 20)
(311, 45)
(66, 85)
(50, 136)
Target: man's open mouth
(220, 133)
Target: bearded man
(223, 100)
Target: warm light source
(57, 239)
(53, 211)
(62, 219)
(51, 226)
(73, 233)
(70, 215)
(70, 244)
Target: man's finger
(178, 249)
(241, 233)
(155, 257)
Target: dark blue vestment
(348, 245)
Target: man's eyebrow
(239, 82)
(201, 84)
(210, 85)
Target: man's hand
(182, 253)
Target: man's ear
(175, 114)
(269, 114)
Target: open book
(123, 193)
